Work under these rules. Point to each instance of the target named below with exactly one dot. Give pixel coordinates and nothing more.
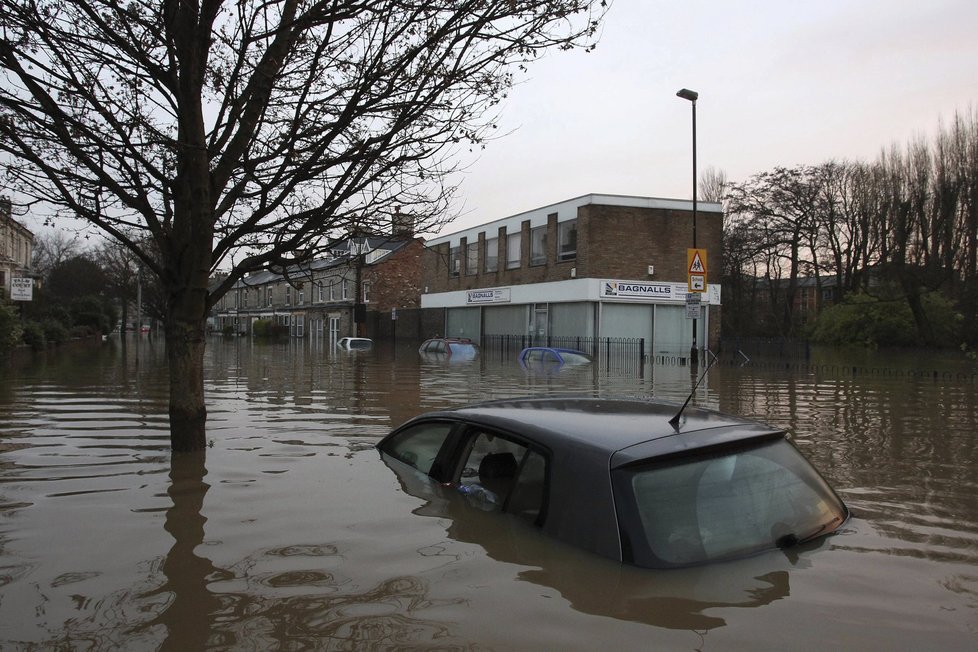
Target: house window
(366, 291)
(567, 240)
(472, 259)
(288, 295)
(538, 246)
(302, 297)
(346, 289)
(320, 290)
(244, 298)
(514, 246)
(492, 254)
(268, 296)
(454, 261)
(332, 290)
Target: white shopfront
(588, 307)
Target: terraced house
(366, 286)
(16, 249)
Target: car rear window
(701, 509)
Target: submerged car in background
(354, 343)
(449, 348)
(546, 357)
(624, 478)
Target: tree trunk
(188, 413)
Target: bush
(871, 321)
(34, 336)
(269, 328)
(10, 329)
(91, 311)
(54, 331)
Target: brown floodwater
(291, 533)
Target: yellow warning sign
(696, 261)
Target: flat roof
(567, 210)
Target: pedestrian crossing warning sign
(696, 263)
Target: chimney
(402, 224)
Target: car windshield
(573, 357)
(723, 506)
(462, 349)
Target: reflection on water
(293, 533)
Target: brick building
(593, 266)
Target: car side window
(504, 475)
(419, 445)
(528, 495)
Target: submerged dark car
(623, 478)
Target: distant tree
(782, 207)
(246, 134)
(53, 248)
(121, 268)
(78, 276)
(713, 185)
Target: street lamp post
(692, 96)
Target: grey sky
(780, 83)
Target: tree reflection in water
(200, 614)
(189, 615)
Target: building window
(538, 246)
(244, 298)
(320, 290)
(346, 289)
(332, 289)
(472, 259)
(567, 240)
(302, 297)
(492, 254)
(288, 295)
(454, 261)
(268, 296)
(514, 247)
(366, 291)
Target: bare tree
(713, 185)
(53, 248)
(249, 133)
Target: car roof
(559, 349)
(607, 425)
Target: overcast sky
(779, 83)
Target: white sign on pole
(693, 306)
(22, 289)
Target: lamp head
(687, 94)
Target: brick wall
(612, 242)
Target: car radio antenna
(674, 422)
